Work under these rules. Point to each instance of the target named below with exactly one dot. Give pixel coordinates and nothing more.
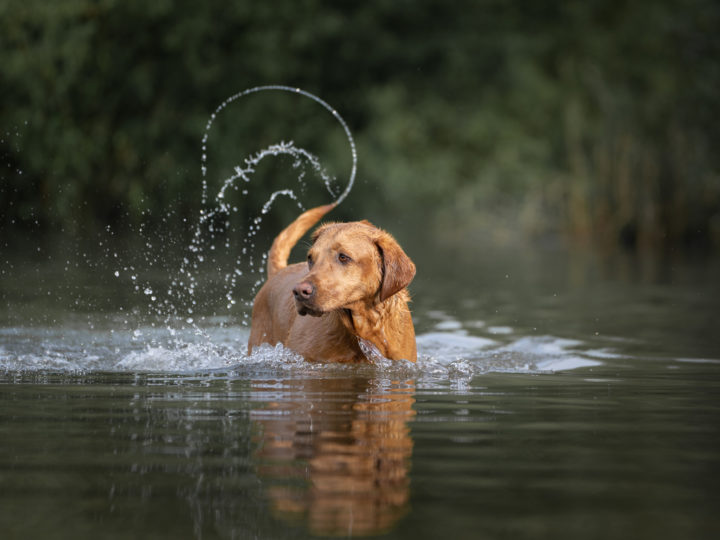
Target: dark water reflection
(613, 451)
(112, 454)
(336, 452)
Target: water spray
(275, 87)
(185, 284)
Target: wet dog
(346, 303)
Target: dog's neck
(371, 322)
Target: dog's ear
(398, 269)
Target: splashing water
(280, 148)
(179, 306)
(173, 331)
(197, 346)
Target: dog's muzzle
(304, 293)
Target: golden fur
(348, 298)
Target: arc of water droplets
(185, 280)
(287, 148)
(235, 97)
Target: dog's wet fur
(350, 292)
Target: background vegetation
(594, 120)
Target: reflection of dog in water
(336, 453)
(348, 299)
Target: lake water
(558, 394)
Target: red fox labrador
(348, 299)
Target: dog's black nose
(304, 290)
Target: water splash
(443, 358)
(281, 88)
(181, 305)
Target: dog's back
(273, 308)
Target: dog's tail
(284, 242)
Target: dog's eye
(343, 259)
(310, 260)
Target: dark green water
(557, 395)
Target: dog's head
(351, 263)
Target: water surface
(558, 394)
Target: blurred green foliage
(597, 120)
